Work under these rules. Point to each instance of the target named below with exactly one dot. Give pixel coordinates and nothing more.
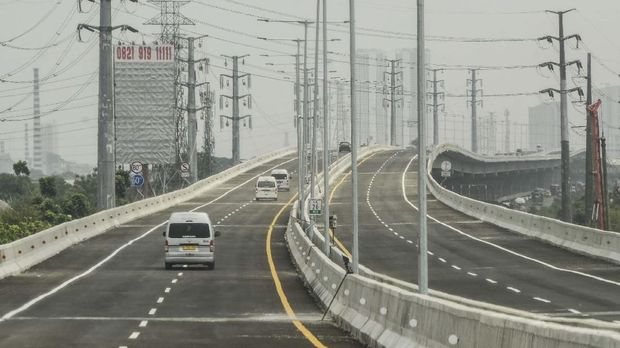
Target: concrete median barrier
(22, 254)
(383, 314)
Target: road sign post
(315, 207)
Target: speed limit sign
(136, 167)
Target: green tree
(47, 186)
(14, 188)
(122, 184)
(21, 167)
(77, 205)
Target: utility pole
(235, 118)
(315, 107)
(435, 105)
(192, 125)
(473, 93)
(565, 161)
(393, 63)
(106, 171)
(589, 199)
(422, 235)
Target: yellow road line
(331, 196)
(276, 280)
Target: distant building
(544, 127)
(6, 163)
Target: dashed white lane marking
(143, 323)
(491, 281)
(456, 267)
(574, 311)
(153, 311)
(122, 346)
(545, 264)
(174, 281)
(167, 290)
(160, 300)
(513, 289)
(541, 299)
(180, 274)
(430, 253)
(134, 335)
(472, 274)
(402, 237)
(442, 260)
(409, 241)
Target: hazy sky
(28, 27)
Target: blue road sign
(137, 180)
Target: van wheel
(168, 265)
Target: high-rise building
(373, 113)
(49, 146)
(407, 117)
(544, 127)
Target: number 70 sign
(315, 207)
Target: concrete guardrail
(584, 240)
(22, 254)
(380, 314)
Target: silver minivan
(189, 239)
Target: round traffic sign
(446, 165)
(137, 180)
(136, 167)
(185, 167)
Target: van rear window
(266, 184)
(280, 176)
(189, 230)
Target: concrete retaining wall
(584, 240)
(22, 254)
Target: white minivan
(266, 188)
(190, 239)
(283, 178)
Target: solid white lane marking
(134, 335)
(548, 265)
(160, 300)
(491, 281)
(143, 323)
(153, 311)
(472, 274)
(574, 311)
(541, 299)
(513, 289)
(167, 290)
(442, 259)
(456, 267)
(174, 281)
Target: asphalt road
(121, 295)
(467, 257)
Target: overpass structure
(100, 281)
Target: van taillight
(166, 246)
(212, 245)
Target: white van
(190, 239)
(283, 178)
(266, 188)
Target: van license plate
(189, 247)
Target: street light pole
(355, 251)
(315, 101)
(423, 240)
(326, 248)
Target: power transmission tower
(435, 106)
(563, 91)
(394, 90)
(473, 92)
(235, 118)
(170, 19)
(106, 171)
(207, 98)
(192, 124)
(589, 197)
